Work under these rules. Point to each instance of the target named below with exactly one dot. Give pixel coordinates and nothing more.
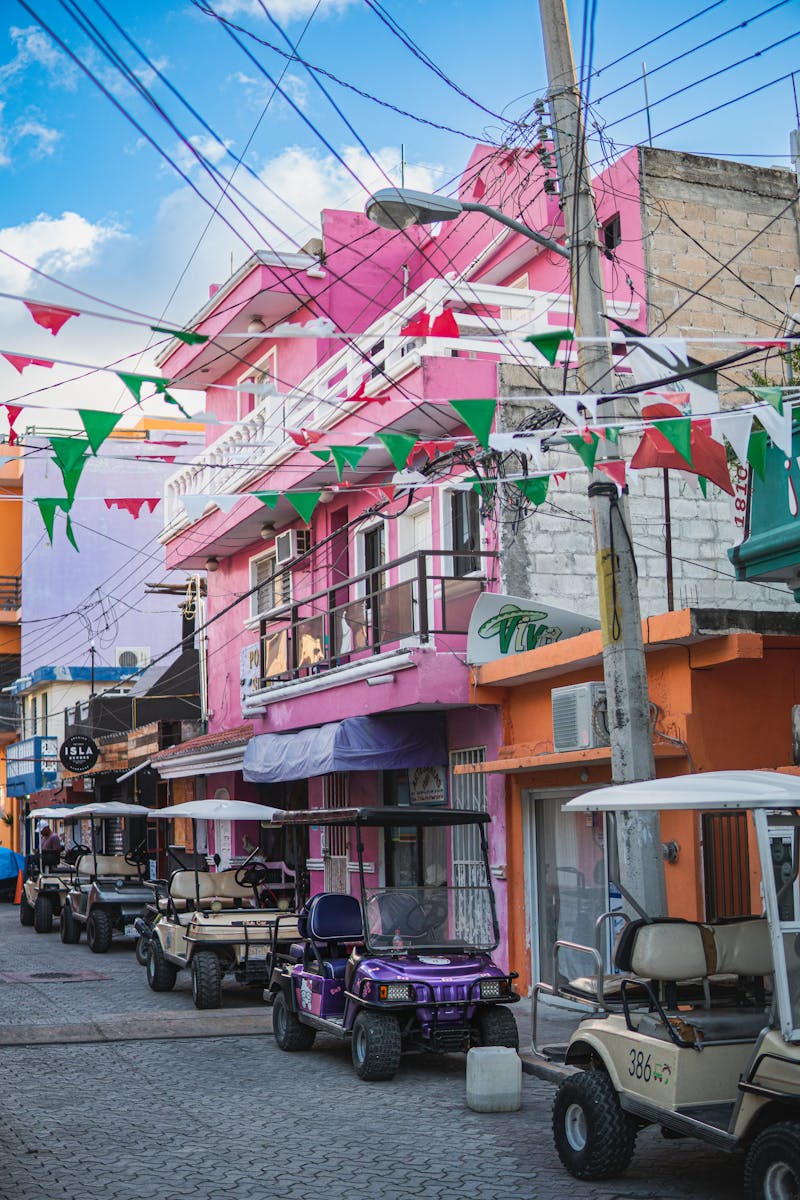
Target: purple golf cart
(408, 966)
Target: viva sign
(502, 625)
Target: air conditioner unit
(291, 544)
(132, 657)
(580, 718)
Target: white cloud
(147, 75)
(34, 47)
(57, 245)
(44, 137)
(282, 10)
(209, 148)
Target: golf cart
(108, 891)
(404, 967)
(698, 1029)
(216, 923)
(47, 879)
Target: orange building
(722, 685)
(10, 628)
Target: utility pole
(638, 834)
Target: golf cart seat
(328, 921)
(111, 865)
(213, 887)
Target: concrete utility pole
(638, 834)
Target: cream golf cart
(698, 1029)
(108, 889)
(45, 888)
(216, 923)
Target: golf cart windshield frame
(389, 817)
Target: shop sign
(504, 625)
(78, 753)
(250, 670)
(428, 785)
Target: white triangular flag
(735, 428)
(778, 426)
(195, 505)
(568, 405)
(226, 503)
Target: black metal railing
(401, 601)
(10, 592)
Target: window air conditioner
(580, 717)
(132, 657)
(291, 544)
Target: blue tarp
(356, 744)
(10, 863)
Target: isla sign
(502, 625)
(78, 753)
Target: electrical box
(580, 717)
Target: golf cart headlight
(493, 989)
(396, 991)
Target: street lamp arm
(517, 226)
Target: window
(34, 715)
(465, 525)
(612, 234)
(264, 372)
(274, 591)
(44, 713)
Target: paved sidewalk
(214, 1117)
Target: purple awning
(356, 744)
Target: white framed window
(272, 591)
(265, 371)
(520, 282)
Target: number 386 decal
(640, 1067)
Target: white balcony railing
(246, 451)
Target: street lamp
(400, 208)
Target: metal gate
(335, 843)
(727, 865)
(471, 919)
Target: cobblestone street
(213, 1117)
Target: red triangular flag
(13, 412)
(50, 316)
(479, 190)
(418, 326)
(709, 458)
(358, 394)
(615, 469)
(445, 325)
(19, 362)
(132, 505)
(388, 490)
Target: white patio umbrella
(216, 810)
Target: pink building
(342, 641)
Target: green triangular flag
(68, 450)
(134, 383)
(548, 343)
(269, 498)
(304, 503)
(612, 433)
(534, 490)
(478, 416)
(70, 534)
(72, 477)
(679, 434)
(48, 510)
(183, 335)
(324, 455)
(587, 451)
(701, 479)
(347, 456)
(399, 446)
(484, 487)
(98, 425)
(772, 395)
(757, 453)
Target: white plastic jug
(494, 1079)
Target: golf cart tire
(376, 1046)
(25, 911)
(773, 1162)
(142, 950)
(99, 931)
(498, 1028)
(206, 979)
(594, 1138)
(161, 974)
(290, 1033)
(69, 928)
(42, 915)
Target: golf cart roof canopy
(61, 811)
(216, 810)
(383, 817)
(708, 791)
(114, 808)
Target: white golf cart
(47, 879)
(108, 890)
(698, 1028)
(217, 923)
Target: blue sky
(86, 198)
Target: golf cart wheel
(25, 911)
(593, 1136)
(206, 979)
(498, 1028)
(99, 931)
(772, 1166)
(376, 1046)
(161, 974)
(290, 1033)
(142, 950)
(42, 915)
(69, 927)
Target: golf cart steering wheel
(412, 920)
(79, 846)
(136, 857)
(253, 875)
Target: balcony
(401, 604)
(486, 314)
(10, 595)
(31, 765)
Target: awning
(356, 744)
(133, 771)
